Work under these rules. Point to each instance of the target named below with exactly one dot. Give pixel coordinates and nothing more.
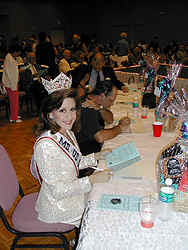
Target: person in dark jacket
(99, 72)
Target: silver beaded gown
(62, 197)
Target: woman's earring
(51, 116)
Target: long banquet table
(105, 228)
(132, 73)
(141, 133)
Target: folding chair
(24, 222)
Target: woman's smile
(65, 116)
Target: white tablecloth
(147, 145)
(126, 77)
(108, 229)
(105, 229)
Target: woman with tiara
(57, 158)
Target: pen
(129, 177)
(99, 169)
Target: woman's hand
(101, 176)
(90, 104)
(124, 123)
(102, 154)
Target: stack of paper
(122, 156)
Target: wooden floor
(18, 140)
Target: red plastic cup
(157, 128)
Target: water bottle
(166, 200)
(136, 106)
(141, 77)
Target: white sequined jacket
(62, 194)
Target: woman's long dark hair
(53, 102)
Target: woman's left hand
(102, 154)
(90, 104)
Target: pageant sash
(68, 148)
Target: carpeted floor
(18, 140)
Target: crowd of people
(71, 129)
(79, 56)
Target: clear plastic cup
(144, 113)
(148, 208)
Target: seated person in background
(80, 76)
(57, 159)
(180, 53)
(99, 72)
(78, 44)
(185, 60)
(78, 59)
(132, 60)
(30, 80)
(59, 52)
(64, 65)
(137, 51)
(94, 114)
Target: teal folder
(122, 156)
(119, 202)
